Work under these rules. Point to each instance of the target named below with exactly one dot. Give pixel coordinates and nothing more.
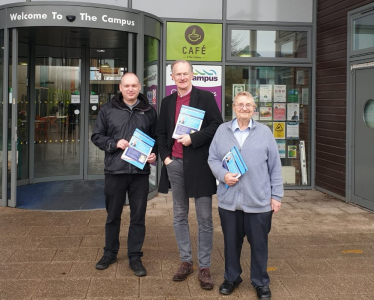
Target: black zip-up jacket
(117, 121)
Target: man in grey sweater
(246, 206)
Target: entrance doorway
(363, 188)
(65, 75)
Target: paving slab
(320, 248)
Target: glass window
(283, 99)
(268, 43)
(363, 32)
(151, 81)
(270, 10)
(193, 9)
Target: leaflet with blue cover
(140, 148)
(234, 163)
(189, 121)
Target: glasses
(179, 75)
(247, 105)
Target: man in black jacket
(186, 166)
(114, 127)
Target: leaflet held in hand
(140, 148)
(189, 121)
(234, 163)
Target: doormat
(62, 195)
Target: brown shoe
(206, 280)
(185, 269)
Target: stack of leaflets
(189, 121)
(234, 163)
(140, 148)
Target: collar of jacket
(143, 105)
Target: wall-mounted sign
(72, 16)
(208, 78)
(194, 41)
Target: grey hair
(245, 94)
(181, 61)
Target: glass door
(106, 69)
(57, 122)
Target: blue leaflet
(234, 163)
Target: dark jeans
(116, 187)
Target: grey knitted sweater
(261, 182)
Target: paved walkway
(320, 248)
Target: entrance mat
(62, 195)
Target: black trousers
(256, 226)
(116, 187)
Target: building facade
(295, 63)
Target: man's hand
(122, 144)
(167, 161)
(275, 205)
(185, 140)
(230, 179)
(151, 158)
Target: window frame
(308, 30)
(361, 12)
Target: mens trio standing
(245, 208)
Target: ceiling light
(100, 50)
(105, 65)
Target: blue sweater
(261, 182)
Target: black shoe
(138, 268)
(227, 287)
(263, 292)
(105, 261)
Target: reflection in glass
(284, 105)
(106, 70)
(363, 32)
(151, 73)
(369, 113)
(57, 116)
(267, 43)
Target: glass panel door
(106, 69)
(57, 114)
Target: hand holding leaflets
(139, 149)
(234, 163)
(189, 121)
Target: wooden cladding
(331, 86)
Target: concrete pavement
(320, 248)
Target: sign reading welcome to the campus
(76, 16)
(194, 41)
(208, 78)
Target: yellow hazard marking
(270, 269)
(352, 251)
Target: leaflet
(234, 163)
(140, 148)
(189, 121)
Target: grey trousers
(203, 207)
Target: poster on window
(266, 113)
(279, 131)
(208, 78)
(266, 92)
(281, 148)
(292, 129)
(279, 113)
(292, 151)
(256, 114)
(293, 111)
(305, 96)
(279, 93)
(293, 96)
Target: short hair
(126, 73)
(245, 94)
(181, 61)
